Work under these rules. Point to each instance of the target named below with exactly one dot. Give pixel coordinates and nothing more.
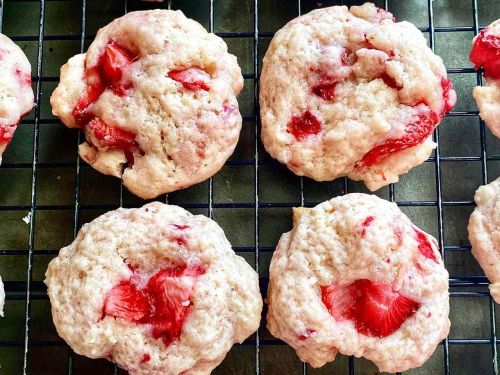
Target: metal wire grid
(27, 292)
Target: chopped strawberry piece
(6, 133)
(194, 270)
(381, 310)
(348, 57)
(192, 79)
(340, 299)
(416, 132)
(325, 90)
(419, 267)
(181, 241)
(24, 79)
(181, 226)
(81, 112)
(125, 301)
(132, 268)
(102, 135)
(424, 246)
(164, 302)
(145, 358)
(449, 96)
(121, 89)
(375, 308)
(306, 335)
(108, 73)
(486, 53)
(365, 224)
(113, 62)
(304, 125)
(391, 82)
(170, 297)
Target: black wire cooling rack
(36, 356)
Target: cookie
(16, 94)
(484, 233)
(350, 92)
(355, 276)
(2, 297)
(155, 95)
(486, 54)
(156, 290)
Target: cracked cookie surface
(350, 92)
(155, 289)
(355, 276)
(155, 95)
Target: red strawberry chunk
(375, 308)
(381, 310)
(163, 304)
(171, 301)
(391, 82)
(181, 241)
(416, 132)
(486, 53)
(113, 62)
(366, 223)
(181, 226)
(340, 299)
(449, 96)
(424, 246)
(306, 335)
(6, 133)
(145, 358)
(192, 79)
(126, 301)
(348, 58)
(325, 90)
(108, 73)
(81, 112)
(103, 135)
(24, 79)
(304, 125)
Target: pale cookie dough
(156, 97)
(355, 276)
(349, 92)
(484, 233)
(16, 94)
(156, 290)
(486, 53)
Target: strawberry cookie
(156, 290)
(355, 276)
(486, 54)
(16, 94)
(350, 92)
(484, 233)
(155, 95)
